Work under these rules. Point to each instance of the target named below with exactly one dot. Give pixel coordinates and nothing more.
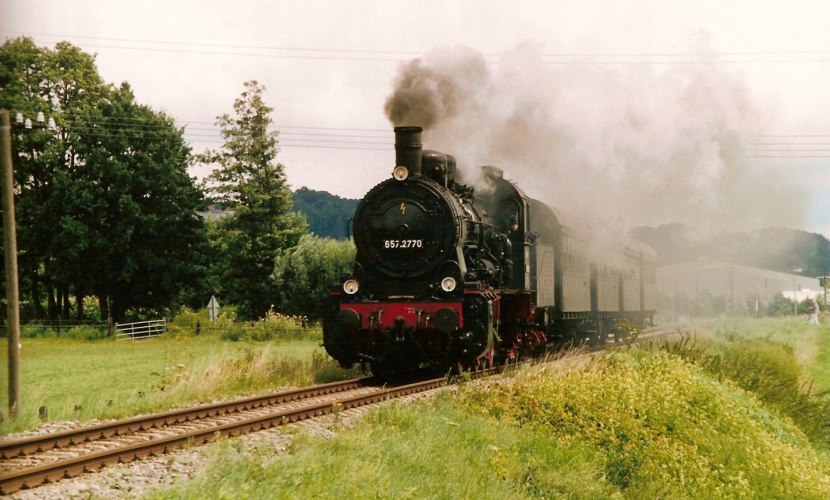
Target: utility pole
(10, 247)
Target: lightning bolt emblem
(403, 208)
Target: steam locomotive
(453, 277)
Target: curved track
(30, 446)
(28, 463)
(31, 462)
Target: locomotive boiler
(451, 277)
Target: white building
(739, 285)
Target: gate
(140, 329)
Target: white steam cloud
(618, 144)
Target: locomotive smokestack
(408, 148)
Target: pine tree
(249, 180)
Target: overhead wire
(362, 139)
(345, 54)
(774, 147)
(305, 139)
(290, 137)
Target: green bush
(666, 428)
(80, 332)
(34, 331)
(187, 320)
(87, 333)
(767, 368)
(780, 306)
(273, 327)
(630, 425)
(305, 273)
(191, 322)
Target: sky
(653, 110)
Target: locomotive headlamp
(448, 284)
(351, 286)
(400, 173)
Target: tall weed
(90, 331)
(769, 369)
(666, 428)
(419, 451)
(273, 327)
(248, 369)
(72, 379)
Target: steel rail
(38, 444)
(71, 467)
(55, 471)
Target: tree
(63, 83)
(780, 306)
(249, 180)
(327, 215)
(105, 206)
(778, 249)
(305, 273)
(141, 241)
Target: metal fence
(140, 329)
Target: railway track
(32, 462)
(35, 461)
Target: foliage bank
(81, 380)
(631, 424)
(665, 428)
(273, 326)
(327, 214)
(778, 249)
(420, 451)
(305, 274)
(768, 369)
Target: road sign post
(213, 309)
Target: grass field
(76, 379)
(728, 412)
(721, 415)
(810, 343)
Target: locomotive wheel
(377, 370)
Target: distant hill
(327, 214)
(777, 249)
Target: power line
(218, 45)
(247, 54)
(403, 59)
(795, 136)
(415, 54)
(307, 146)
(310, 141)
(305, 127)
(398, 56)
(311, 137)
(281, 129)
(128, 124)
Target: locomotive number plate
(403, 243)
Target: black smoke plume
(623, 145)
